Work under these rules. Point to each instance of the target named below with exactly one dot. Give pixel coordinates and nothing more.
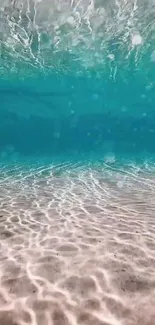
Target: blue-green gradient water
(77, 78)
(77, 162)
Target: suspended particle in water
(153, 56)
(72, 112)
(109, 158)
(149, 86)
(124, 109)
(56, 135)
(95, 96)
(120, 184)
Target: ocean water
(76, 77)
(77, 162)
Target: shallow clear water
(77, 162)
(77, 77)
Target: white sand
(77, 247)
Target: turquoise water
(77, 162)
(77, 79)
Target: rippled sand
(77, 246)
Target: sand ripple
(76, 247)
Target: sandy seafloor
(77, 244)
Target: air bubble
(136, 40)
(71, 21)
(111, 57)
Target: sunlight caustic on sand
(76, 247)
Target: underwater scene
(77, 162)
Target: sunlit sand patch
(76, 248)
